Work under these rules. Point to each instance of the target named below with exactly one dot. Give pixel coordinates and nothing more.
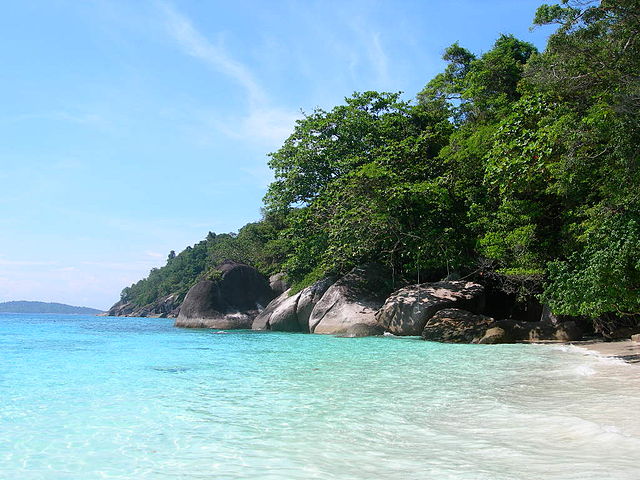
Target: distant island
(44, 307)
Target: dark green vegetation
(256, 244)
(517, 163)
(43, 307)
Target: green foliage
(480, 88)
(327, 145)
(213, 274)
(604, 274)
(595, 54)
(253, 245)
(380, 198)
(177, 276)
(522, 160)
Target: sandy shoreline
(626, 350)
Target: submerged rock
(453, 325)
(232, 302)
(407, 310)
(361, 330)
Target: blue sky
(131, 128)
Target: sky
(132, 128)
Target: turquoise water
(123, 398)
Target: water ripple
(85, 397)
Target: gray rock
(290, 313)
(279, 283)
(284, 318)
(407, 310)
(309, 297)
(495, 335)
(262, 320)
(163, 307)
(548, 316)
(518, 331)
(621, 332)
(242, 287)
(352, 300)
(452, 325)
(232, 302)
(568, 331)
(636, 337)
(361, 330)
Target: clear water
(86, 398)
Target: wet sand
(627, 350)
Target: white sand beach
(627, 350)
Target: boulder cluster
(163, 307)
(361, 303)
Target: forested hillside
(23, 306)
(516, 163)
(256, 244)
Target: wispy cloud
(78, 118)
(378, 58)
(121, 266)
(371, 47)
(269, 125)
(197, 45)
(262, 121)
(25, 263)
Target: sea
(84, 397)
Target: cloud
(66, 269)
(121, 266)
(378, 58)
(196, 45)
(372, 48)
(273, 125)
(79, 118)
(262, 122)
(266, 125)
(25, 263)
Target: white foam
(571, 348)
(585, 370)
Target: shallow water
(122, 398)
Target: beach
(627, 350)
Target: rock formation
(349, 306)
(230, 302)
(407, 310)
(167, 306)
(344, 307)
(279, 283)
(452, 325)
(511, 331)
(290, 313)
(358, 304)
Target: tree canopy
(522, 162)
